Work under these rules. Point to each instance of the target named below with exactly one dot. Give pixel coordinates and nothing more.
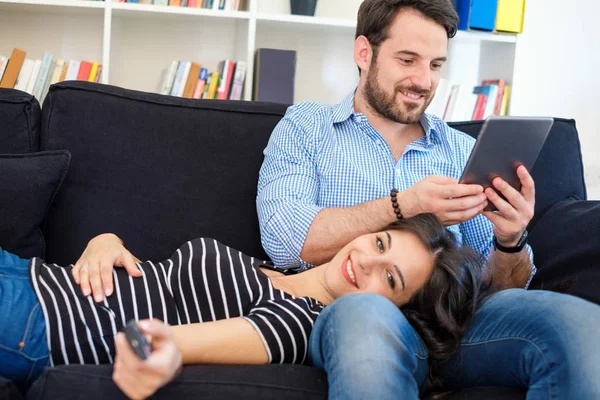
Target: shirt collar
(345, 109)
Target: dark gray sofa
(159, 171)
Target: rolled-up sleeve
(287, 193)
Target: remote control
(137, 340)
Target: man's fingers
(494, 218)
(458, 217)
(442, 180)
(464, 203)
(460, 190)
(515, 199)
(504, 208)
(106, 268)
(527, 184)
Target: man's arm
(510, 270)
(295, 230)
(333, 228)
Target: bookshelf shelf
(148, 10)
(476, 36)
(285, 20)
(52, 6)
(136, 43)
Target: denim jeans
(23, 346)
(546, 342)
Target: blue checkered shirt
(322, 156)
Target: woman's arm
(227, 341)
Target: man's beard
(386, 105)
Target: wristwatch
(515, 249)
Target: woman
(221, 306)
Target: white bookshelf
(135, 43)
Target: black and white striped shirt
(204, 280)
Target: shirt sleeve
(287, 193)
(284, 325)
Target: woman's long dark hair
(443, 308)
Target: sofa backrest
(19, 122)
(156, 170)
(160, 170)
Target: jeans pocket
(23, 348)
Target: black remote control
(137, 340)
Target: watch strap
(515, 249)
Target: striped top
(321, 156)
(204, 280)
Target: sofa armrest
(566, 247)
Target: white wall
(557, 72)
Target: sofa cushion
(156, 170)
(566, 247)
(28, 184)
(558, 171)
(195, 382)
(8, 391)
(19, 122)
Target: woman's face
(394, 264)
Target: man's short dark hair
(375, 17)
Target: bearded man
(333, 173)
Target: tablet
(503, 144)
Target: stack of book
(35, 76)
(227, 5)
(457, 102)
(190, 80)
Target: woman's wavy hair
(442, 310)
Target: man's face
(405, 71)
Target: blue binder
(483, 14)
(463, 9)
(476, 14)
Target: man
(329, 175)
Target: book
(24, 75)
(192, 80)
(505, 99)
(40, 83)
(501, 83)
(169, 78)
(483, 14)
(239, 78)
(200, 84)
(275, 73)
(227, 78)
(37, 65)
(12, 69)
(510, 15)
(73, 70)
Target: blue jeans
(23, 346)
(546, 342)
